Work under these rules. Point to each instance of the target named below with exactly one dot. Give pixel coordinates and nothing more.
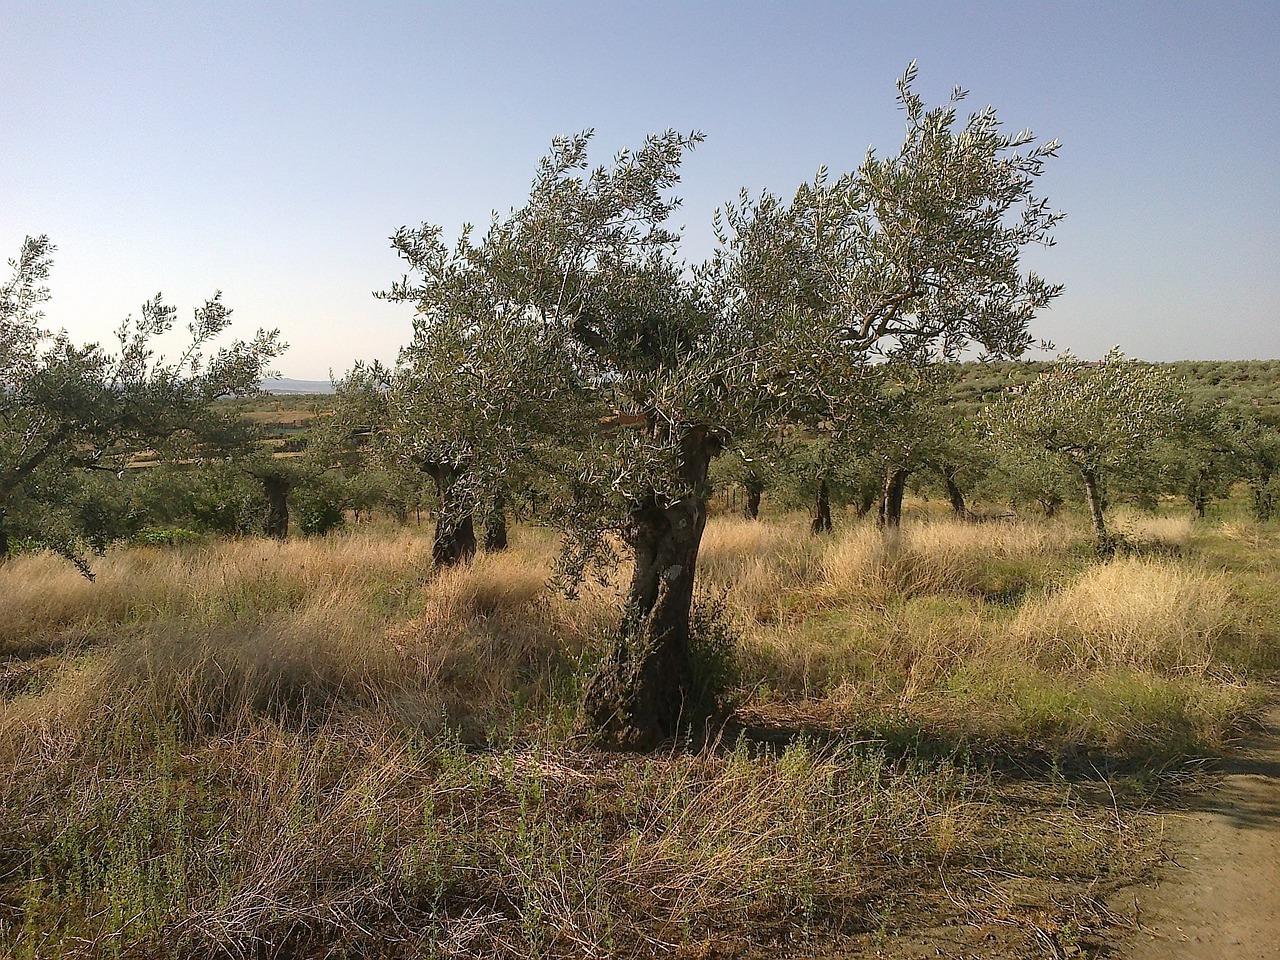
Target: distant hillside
(1252, 385)
(285, 385)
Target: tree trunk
(455, 536)
(754, 487)
(822, 508)
(1263, 501)
(495, 527)
(954, 493)
(4, 536)
(640, 696)
(277, 491)
(1101, 541)
(1199, 493)
(895, 487)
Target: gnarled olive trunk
(1105, 547)
(822, 507)
(640, 695)
(895, 487)
(455, 536)
(954, 493)
(755, 487)
(495, 527)
(277, 490)
(1198, 492)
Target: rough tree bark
(895, 486)
(1199, 493)
(455, 536)
(1263, 499)
(822, 507)
(277, 490)
(754, 487)
(864, 501)
(640, 695)
(495, 527)
(1102, 543)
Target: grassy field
(325, 748)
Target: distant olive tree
(1104, 420)
(474, 398)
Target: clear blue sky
(269, 149)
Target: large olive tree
(910, 255)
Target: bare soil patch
(1218, 891)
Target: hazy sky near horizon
(270, 149)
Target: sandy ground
(1218, 896)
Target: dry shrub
(1133, 613)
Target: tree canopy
(66, 406)
(1103, 420)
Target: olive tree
(911, 255)
(1104, 421)
(475, 398)
(65, 407)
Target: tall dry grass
(296, 631)
(941, 556)
(254, 748)
(1135, 613)
(757, 566)
(1154, 531)
(44, 602)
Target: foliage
(319, 504)
(65, 407)
(1103, 420)
(574, 310)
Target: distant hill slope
(286, 385)
(1252, 385)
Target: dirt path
(1219, 896)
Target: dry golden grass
(252, 747)
(757, 566)
(297, 630)
(45, 602)
(1153, 531)
(940, 556)
(1139, 613)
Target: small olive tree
(475, 399)
(1103, 420)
